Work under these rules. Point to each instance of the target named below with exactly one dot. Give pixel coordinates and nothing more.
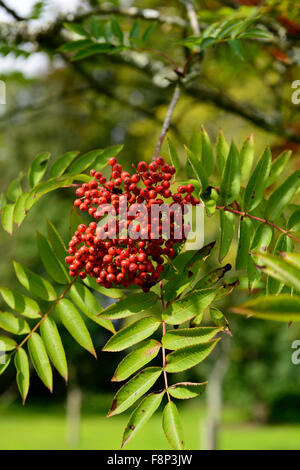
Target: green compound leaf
(131, 305)
(172, 426)
(75, 325)
(141, 415)
(13, 324)
(278, 307)
(193, 304)
(227, 227)
(231, 180)
(89, 305)
(19, 302)
(38, 168)
(40, 360)
(62, 163)
(176, 339)
(133, 390)
(190, 356)
(35, 284)
(187, 390)
(132, 334)
(54, 346)
(53, 266)
(136, 359)
(258, 181)
(23, 374)
(282, 196)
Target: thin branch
(259, 219)
(11, 11)
(167, 121)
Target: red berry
(112, 161)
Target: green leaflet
(198, 169)
(219, 319)
(89, 305)
(176, 339)
(258, 181)
(278, 165)
(188, 307)
(84, 162)
(284, 243)
(4, 365)
(187, 258)
(222, 152)
(172, 426)
(245, 239)
(189, 356)
(212, 278)
(21, 303)
(105, 155)
(53, 266)
(131, 305)
(62, 163)
(136, 359)
(19, 209)
(7, 344)
(231, 180)
(227, 227)
(282, 196)
(112, 293)
(75, 325)
(133, 390)
(23, 374)
(278, 307)
(35, 284)
(280, 269)
(56, 241)
(141, 415)
(132, 334)
(54, 346)
(7, 217)
(15, 189)
(13, 324)
(294, 221)
(247, 157)
(40, 361)
(38, 168)
(174, 156)
(207, 153)
(187, 390)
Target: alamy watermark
(175, 221)
(296, 94)
(296, 354)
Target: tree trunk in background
(214, 399)
(73, 410)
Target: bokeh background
(52, 105)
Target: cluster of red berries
(99, 250)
